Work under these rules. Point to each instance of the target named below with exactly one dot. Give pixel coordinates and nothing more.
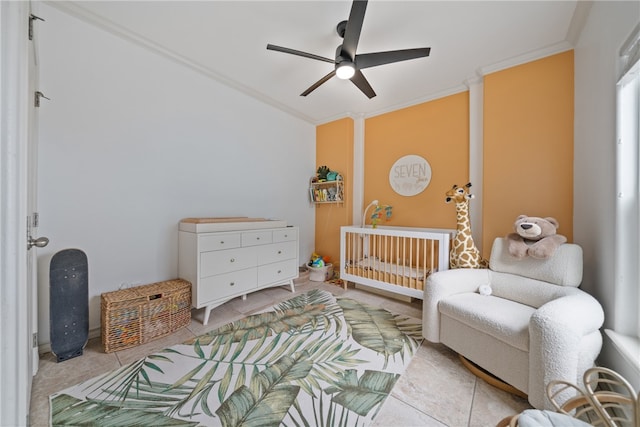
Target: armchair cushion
(564, 268)
(524, 290)
(505, 320)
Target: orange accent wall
(437, 131)
(527, 154)
(528, 145)
(334, 148)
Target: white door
(33, 241)
(17, 262)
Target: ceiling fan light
(345, 70)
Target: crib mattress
(395, 274)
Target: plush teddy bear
(535, 237)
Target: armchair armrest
(563, 335)
(441, 285)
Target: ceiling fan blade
(354, 26)
(367, 60)
(318, 83)
(299, 53)
(361, 82)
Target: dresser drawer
(276, 252)
(256, 238)
(277, 272)
(219, 262)
(216, 242)
(227, 285)
(288, 234)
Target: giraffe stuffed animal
(464, 253)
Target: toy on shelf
(325, 174)
(332, 194)
(322, 173)
(326, 186)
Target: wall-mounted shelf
(327, 191)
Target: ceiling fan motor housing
(342, 56)
(345, 66)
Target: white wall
(132, 142)
(596, 56)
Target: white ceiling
(227, 40)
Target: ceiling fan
(347, 63)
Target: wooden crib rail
(395, 259)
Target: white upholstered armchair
(536, 326)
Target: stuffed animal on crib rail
(535, 237)
(464, 253)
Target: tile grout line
(473, 399)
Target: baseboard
(46, 347)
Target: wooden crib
(394, 259)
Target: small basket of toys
(320, 269)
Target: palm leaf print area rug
(313, 360)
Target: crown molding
(468, 82)
(474, 80)
(578, 20)
(527, 57)
(396, 107)
(431, 97)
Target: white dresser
(224, 259)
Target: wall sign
(410, 175)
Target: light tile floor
(436, 390)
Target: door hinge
(39, 95)
(32, 18)
(34, 340)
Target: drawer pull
(257, 238)
(233, 260)
(232, 284)
(279, 252)
(279, 271)
(222, 242)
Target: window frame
(627, 281)
(626, 317)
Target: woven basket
(138, 315)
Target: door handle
(40, 242)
